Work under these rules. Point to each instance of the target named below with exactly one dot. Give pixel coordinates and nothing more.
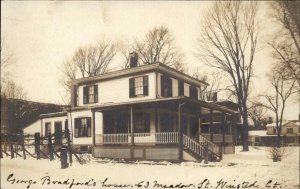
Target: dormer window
(138, 86)
(90, 94)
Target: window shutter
(131, 88)
(180, 88)
(85, 95)
(162, 85)
(95, 93)
(145, 86)
(193, 92)
(169, 87)
(77, 127)
(89, 130)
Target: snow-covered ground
(254, 167)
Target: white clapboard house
(148, 112)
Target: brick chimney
(133, 59)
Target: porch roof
(177, 99)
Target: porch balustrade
(139, 138)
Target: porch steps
(193, 156)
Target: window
(180, 88)
(193, 92)
(166, 86)
(90, 94)
(83, 127)
(47, 128)
(142, 123)
(138, 86)
(289, 130)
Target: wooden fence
(49, 147)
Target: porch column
(223, 128)
(131, 126)
(180, 137)
(199, 123)
(211, 125)
(94, 128)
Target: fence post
(37, 142)
(64, 157)
(2, 142)
(206, 153)
(12, 154)
(221, 152)
(23, 145)
(50, 148)
(67, 134)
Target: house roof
(296, 123)
(258, 133)
(141, 69)
(55, 114)
(178, 98)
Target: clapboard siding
(117, 90)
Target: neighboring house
(290, 133)
(146, 112)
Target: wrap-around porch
(160, 123)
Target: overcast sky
(43, 34)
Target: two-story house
(148, 112)
(290, 132)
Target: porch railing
(211, 146)
(139, 138)
(193, 145)
(166, 137)
(120, 138)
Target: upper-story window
(289, 130)
(138, 86)
(83, 127)
(90, 94)
(180, 88)
(166, 86)
(193, 92)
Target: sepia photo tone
(150, 94)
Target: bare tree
(228, 42)
(214, 79)
(88, 61)
(283, 88)
(11, 90)
(6, 56)
(258, 114)
(94, 60)
(159, 46)
(286, 44)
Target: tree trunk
(245, 133)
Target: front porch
(163, 125)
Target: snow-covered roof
(258, 133)
(286, 123)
